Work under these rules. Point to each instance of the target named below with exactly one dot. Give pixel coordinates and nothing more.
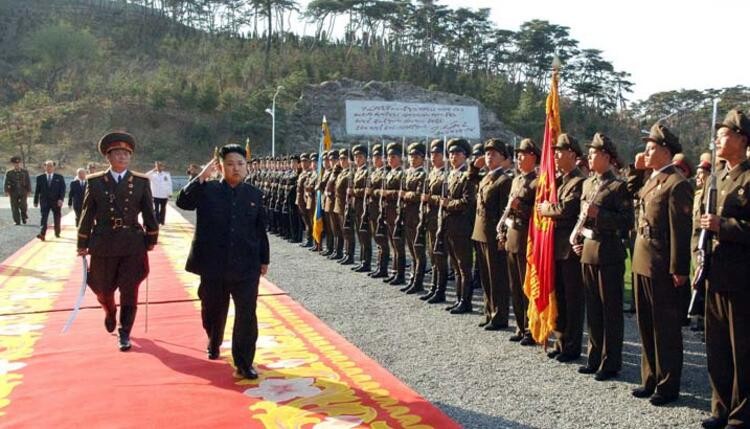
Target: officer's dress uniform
(340, 206)
(18, 186)
(458, 224)
(375, 210)
(359, 186)
(413, 184)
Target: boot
(364, 268)
(455, 305)
(110, 319)
(417, 285)
(347, 260)
(438, 298)
(357, 267)
(399, 280)
(327, 252)
(463, 307)
(336, 255)
(127, 317)
(379, 273)
(408, 285)
(430, 294)
(390, 278)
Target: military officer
(411, 196)
(492, 197)
(17, 188)
(522, 198)
(435, 187)
(109, 231)
(568, 280)
(343, 180)
(728, 296)
(299, 200)
(330, 206)
(376, 209)
(359, 189)
(322, 186)
(311, 198)
(458, 207)
(394, 182)
(606, 205)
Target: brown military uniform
(458, 223)
(439, 262)
(359, 186)
(377, 183)
(728, 299)
(325, 178)
(568, 280)
(393, 184)
(347, 234)
(413, 185)
(603, 265)
(492, 197)
(299, 201)
(524, 189)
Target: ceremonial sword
(81, 293)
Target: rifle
(364, 223)
(705, 240)
(382, 229)
(349, 212)
(398, 228)
(421, 238)
(439, 248)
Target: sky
(664, 44)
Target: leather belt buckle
(117, 223)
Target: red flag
(539, 284)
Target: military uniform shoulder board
(96, 175)
(141, 175)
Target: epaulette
(96, 175)
(141, 175)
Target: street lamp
(272, 112)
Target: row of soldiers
(463, 211)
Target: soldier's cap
(459, 145)
(497, 145)
(477, 149)
(295, 158)
(344, 153)
(304, 157)
(737, 121)
(566, 141)
(436, 146)
(661, 135)
(528, 146)
(116, 140)
(681, 162)
(393, 148)
(604, 143)
(232, 148)
(377, 149)
(254, 160)
(324, 154)
(359, 149)
(417, 148)
(15, 159)
(333, 154)
(704, 165)
(314, 156)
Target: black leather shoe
(124, 340)
(491, 327)
(389, 278)
(604, 375)
(516, 338)
(348, 260)
(714, 423)
(398, 281)
(379, 274)
(586, 370)
(428, 295)
(363, 269)
(461, 309)
(658, 399)
(110, 321)
(213, 352)
(415, 289)
(564, 357)
(451, 307)
(249, 373)
(57, 235)
(642, 392)
(483, 324)
(527, 341)
(408, 285)
(438, 298)
(40, 236)
(553, 354)
(356, 266)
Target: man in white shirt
(161, 189)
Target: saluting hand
(640, 161)
(210, 168)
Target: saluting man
(109, 231)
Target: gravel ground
(478, 378)
(13, 236)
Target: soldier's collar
(739, 169)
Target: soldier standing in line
(295, 220)
(359, 188)
(477, 171)
(411, 196)
(568, 277)
(661, 263)
(607, 206)
(727, 293)
(17, 188)
(432, 199)
(311, 186)
(458, 207)
(322, 184)
(374, 194)
(341, 192)
(522, 196)
(109, 231)
(330, 206)
(393, 184)
(299, 201)
(702, 174)
(492, 197)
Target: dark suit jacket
(75, 196)
(48, 195)
(230, 234)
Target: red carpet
(310, 377)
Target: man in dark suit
(49, 195)
(111, 233)
(230, 252)
(77, 191)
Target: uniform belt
(596, 235)
(119, 223)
